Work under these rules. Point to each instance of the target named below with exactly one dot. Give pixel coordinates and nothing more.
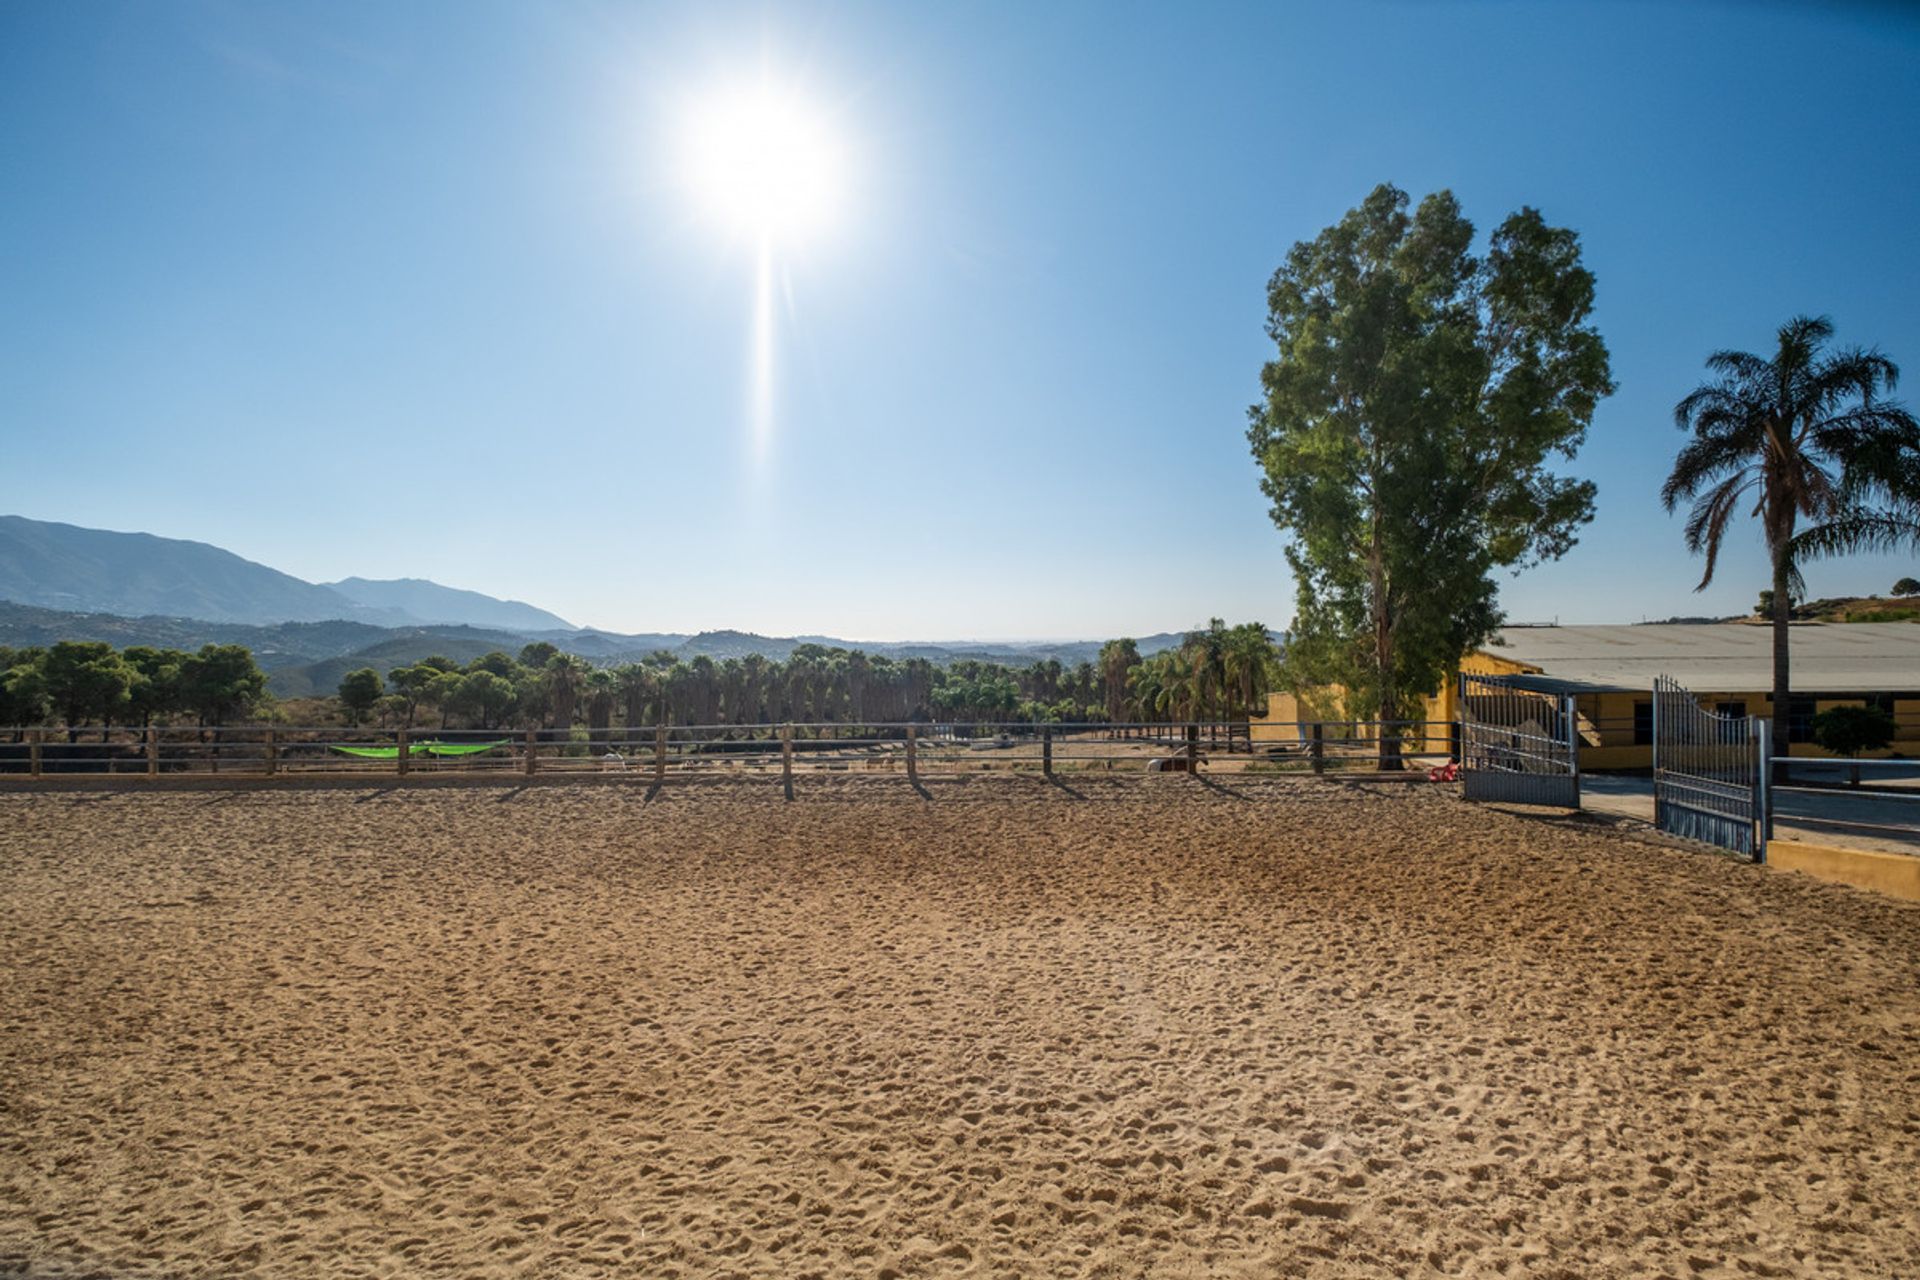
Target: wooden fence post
(153, 752)
(913, 755)
(400, 760)
(1193, 748)
(532, 761)
(660, 753)
(1046, 751)
(786, 759)
(33, 751)
(1319, 750)
(273, 752)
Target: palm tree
(1205, 653)
(1143, 689)
(917, 675)
(1249, 668)
(858, 670)
(1183, 694)
(639, 688)
(755, 674)
(733, 692)
(1802, 437)
(566, 680)
(1118, 659)
(601, 687)
(835, 682)
(680, 695)
(1167, 687)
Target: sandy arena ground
(1145, 1028)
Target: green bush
(1847, 731)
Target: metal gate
(1518, 743)
(1709, 772)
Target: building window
(1800, 719)
(1736, 709)
(1643, 724)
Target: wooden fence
(685, 751)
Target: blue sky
(414, 290)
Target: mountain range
(66, 567)
(422, 601)
(64, 582)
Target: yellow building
(1609, 672)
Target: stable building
(1609, 672)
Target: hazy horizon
(985, 639)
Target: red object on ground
(1448, 772)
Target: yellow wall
(1606, 719)
(1287, 713)
(1890, 873)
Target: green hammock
(429, 748)
(462, 748)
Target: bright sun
(765, 163)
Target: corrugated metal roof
(1727, 657)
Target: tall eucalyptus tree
(1417, 400)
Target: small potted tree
(1847, 731)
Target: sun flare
(765, 163)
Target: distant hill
(63, 566)
(607, 646)
(300, 658)
(291, 653)
(23, 625)
(139, 575)
(430, 602)
(399, 648)
(1860, 609)
(1832, 609)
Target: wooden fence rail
(916, 749)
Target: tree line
(1216, 673)
(81, 682)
